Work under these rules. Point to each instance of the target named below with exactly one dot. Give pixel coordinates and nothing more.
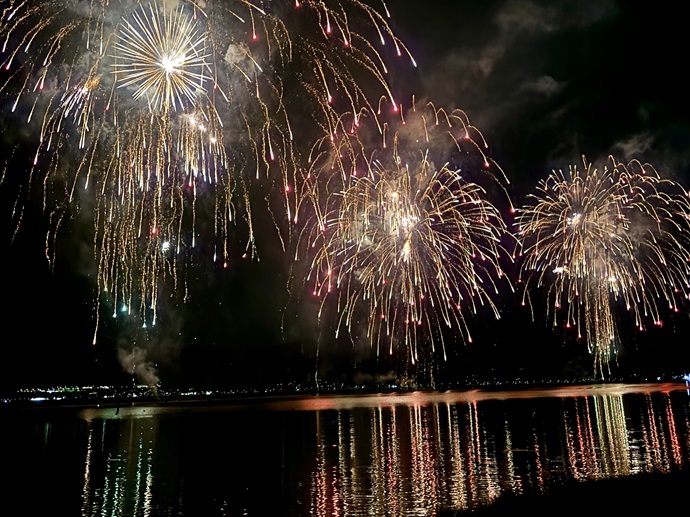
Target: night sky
(546, 82)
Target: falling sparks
(166, 114)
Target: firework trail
(603, 240)
(163, 116)
(399, 239)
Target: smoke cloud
(135, 362)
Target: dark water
(397, 455)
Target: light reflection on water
(398, 455)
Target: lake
(406, 454)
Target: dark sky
(546, 82)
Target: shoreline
(338, 399)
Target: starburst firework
(606, 240)
(400, 238)
(162, 54)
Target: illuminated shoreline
(108, 398)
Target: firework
(601, 241)
(162, 116)
(162, 54)
(400, 238)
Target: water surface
(417, 453)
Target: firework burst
(601, 241)
(399, 237)
(163, 55)
(162, 117)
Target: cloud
(528, 17)
(634, 146)
(543, 86)
(505, 61)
